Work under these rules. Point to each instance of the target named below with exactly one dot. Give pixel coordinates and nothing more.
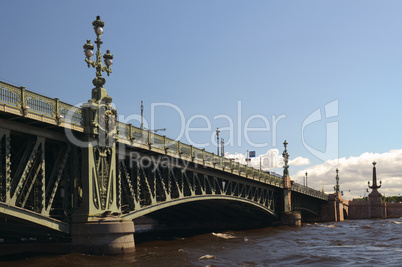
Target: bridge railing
(309, 191)
(20, 101)
(23, 102)
(148, 138)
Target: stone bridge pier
(336, 209)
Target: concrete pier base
(292, 218)
(103, 237)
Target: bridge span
(68, 172)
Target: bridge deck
(17, 101)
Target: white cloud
(354, 172)
(272, 159)
(299, 161)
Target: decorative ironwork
(24, 102)
(34, 174)
(40, 105)
(336, 187)
(99, 81)
(71, 116)
(147, 183)
(309, 191)
(10, 95)
(306, 204)
(136, 136)
(285, 156)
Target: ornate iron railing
(20, 101)
(130, 133)
(309, 191)
(24, 102)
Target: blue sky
(208, 58)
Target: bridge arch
(307, 211)
(167, 204)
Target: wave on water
(325, 225)
(396, 222)
(207, 256)
(224, 236)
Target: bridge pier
(289, 217)
(292, 218)
(103, 237)
(335, 210)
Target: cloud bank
(355, 172)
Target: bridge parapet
(22, 102)
(133, 136)
(309, 191)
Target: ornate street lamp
(285, 156)
(217, 141)
(99, 81)
(98, 114)
(306, 178)
(336, 187)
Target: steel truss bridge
(47, 181)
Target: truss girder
(301, 202)
(35, 174)
(150, 185)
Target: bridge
(77, 175)
(56, 174)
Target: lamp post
(306, 179)
(336, 187)
(217, 141)
(99, 81)
(142, 115)
(222, 147)
(96, 224)
(285, 156)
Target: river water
(348, 243)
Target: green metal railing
(21, 101)
(309, 191)
(144, 137)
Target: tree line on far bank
(395, 199)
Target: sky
(324, 75)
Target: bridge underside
(14, 231)
(309, 207)
(208, 213)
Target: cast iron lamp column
(97, 226)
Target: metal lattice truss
(32, 180)
(148, 186)
(307, 204)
